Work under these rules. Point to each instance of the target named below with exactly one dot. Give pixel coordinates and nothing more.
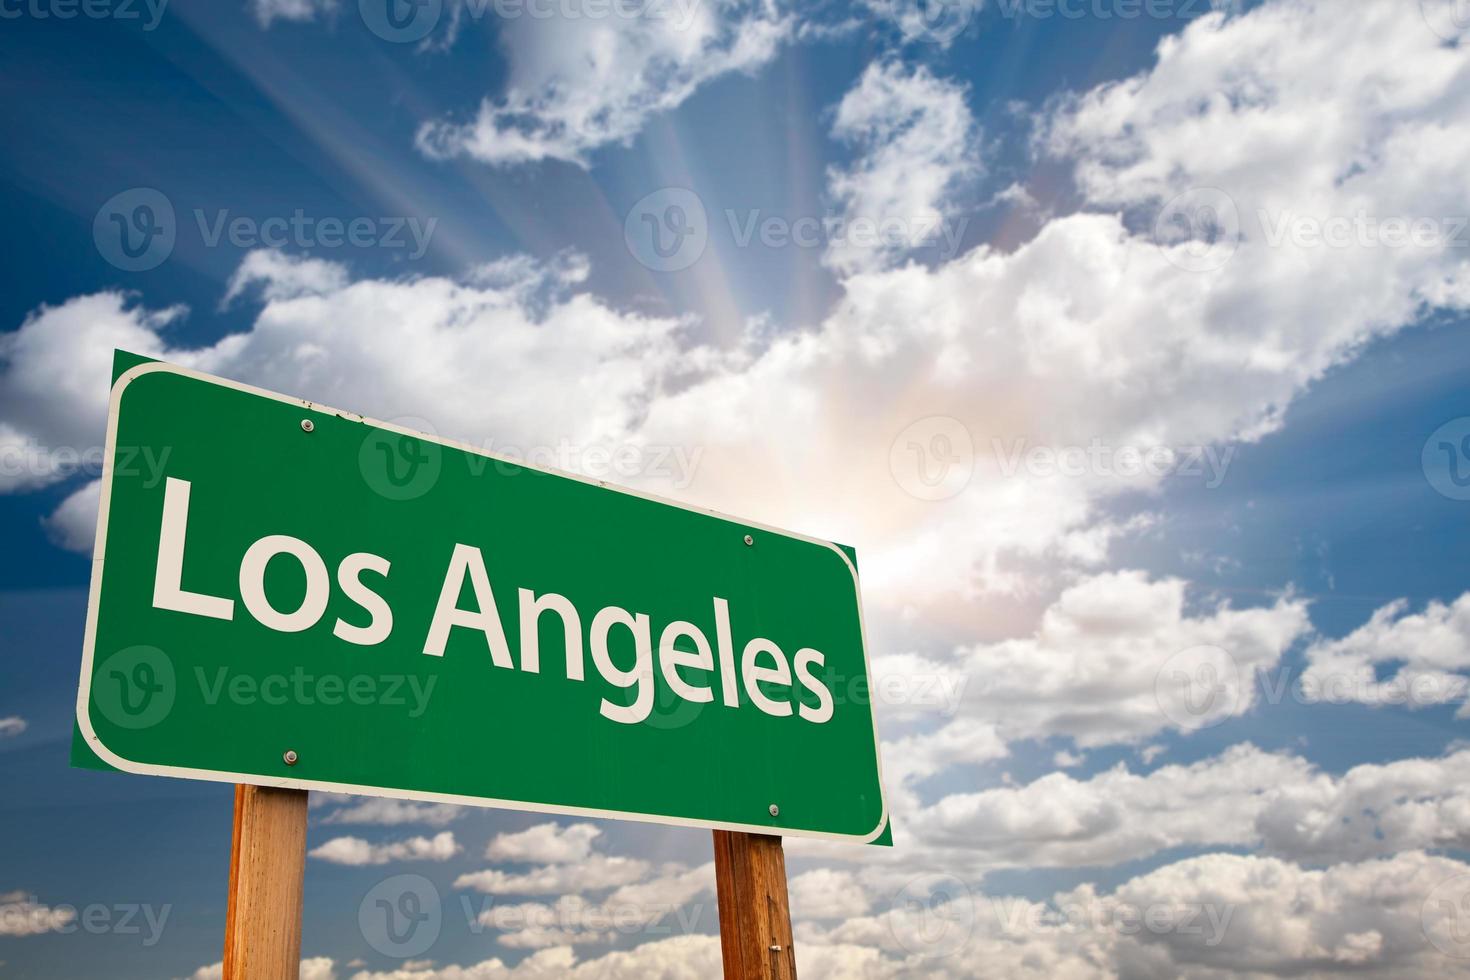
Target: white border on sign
(84, 689)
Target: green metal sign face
(306, 598)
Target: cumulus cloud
(12, 725)
(384, 812)
(73, 525)
(1096, 669)
(675, 958)
(347, 345)
(268, 11)
(54, 374)
(357, 852)
(916, 142)
(1244, 797)
(580, 83)
(545, 843)
(574, 919)
(823, 893)
(1287, 920)
(22, 915)
(1431, 650)
(313, 968)
(1211, 916)
(592, 873)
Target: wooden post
(267, 865)
(755, 919)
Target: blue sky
(1064, 310)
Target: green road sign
(297, 596)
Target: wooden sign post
(755, 919)
(268, 865)
(267, 868)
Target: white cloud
(930, 21)
(1243, 797)
(916, 143)
(384, 812)
(1371, 810)
(1093, 668)
(823, 893)
(268, 11)
(545, 843)
(1432, 649)
(54, 375)
(73, 525)
(1211, 916)
(312, 968)
(22, 915)
(11, 726)
(591, 873)
(356, 851)
(281, 277)
(575, 920)
(54, 370)
(675, 958)
(580, 83)
(1286, 920)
